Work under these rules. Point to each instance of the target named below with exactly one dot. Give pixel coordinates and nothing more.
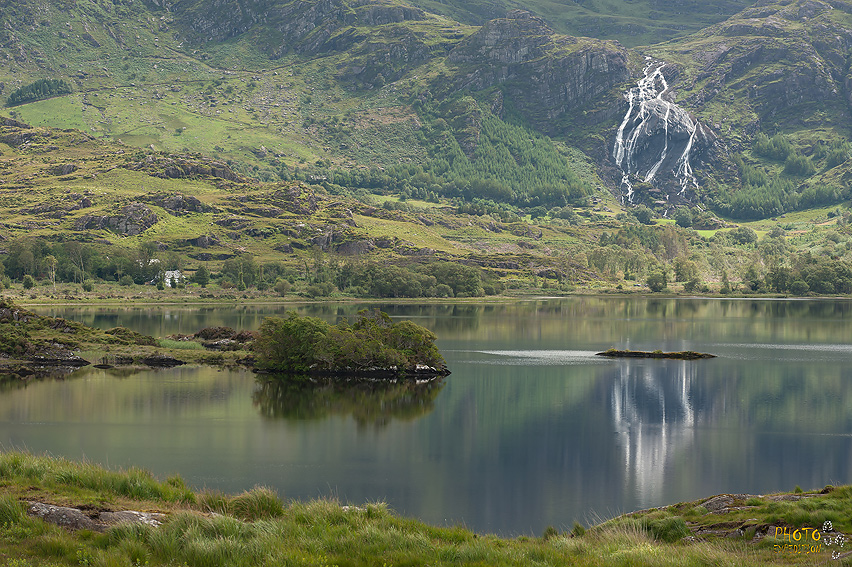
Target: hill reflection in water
(530, 430)
(368, 403)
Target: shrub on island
(374, 345)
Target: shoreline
(266, 300)
(100, 513)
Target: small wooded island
(33, 345)
(681, 355)
(374, 346)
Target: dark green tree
(201, 276)
(657, 280)
(726, 285)
(683, 217)
(799, 287)
(643, 214)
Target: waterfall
(684, 168)
(650, 116)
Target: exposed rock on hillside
(63, 169)
(204, 241)
(545, 75)
(59, 208)
(773, 59)
(301, 26)
(174, 167)
(658, 142)
(385, 56)
(294, 198)
(134, 219)
(179, 204)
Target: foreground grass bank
(257, 528)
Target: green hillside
(381, 133)
(78, 210)
(772, 81)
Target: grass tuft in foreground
(256, 528)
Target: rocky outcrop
(543, 74)
(178, 204)
(63, 169)
(175, 167)
(511, 40)
(12, 123)
(16, 136)
(220, 20)
(356, 247)
(371, 13)
(61, 207)
(294, 198)
(133, 219)
(658, 142)
(773, 58)
(385, 56)
(204, 241)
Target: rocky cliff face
(543, 74)
(385, 56)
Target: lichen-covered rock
(152, 519)
(76, 519)
(69, 518)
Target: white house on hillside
(170, 277)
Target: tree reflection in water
(369, 403)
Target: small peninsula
(34, 346)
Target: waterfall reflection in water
(530, 430)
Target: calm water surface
(530, 430)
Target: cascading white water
(684, 168)
(649, 115)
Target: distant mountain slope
(384, 96)
(639, 22)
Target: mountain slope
(773, 82)
(385, 97)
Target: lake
(530, 430)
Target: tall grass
(51, 472)
(256, 528)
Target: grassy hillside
(77, 210)
(430, 106)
